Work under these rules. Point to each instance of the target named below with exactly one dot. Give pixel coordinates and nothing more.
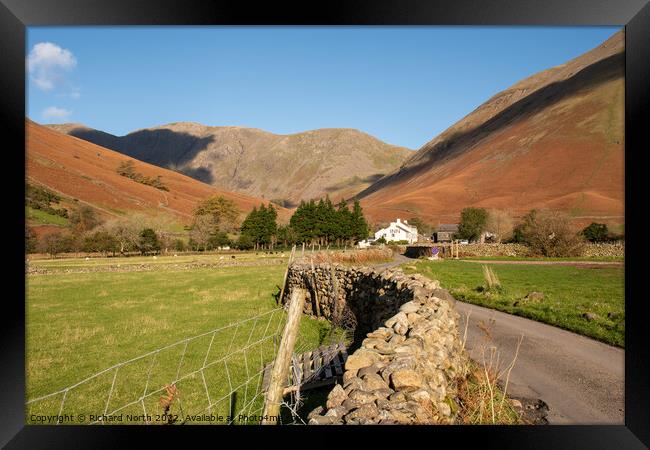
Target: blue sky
(403, 85)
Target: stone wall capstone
(409, 356)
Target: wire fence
(214, 378)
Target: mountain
(554, 140)
(86, 173)
(338, 162)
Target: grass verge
(586, 300)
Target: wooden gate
(321, 367)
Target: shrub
(127, 169)
(219, 239)
(55, 243)
(101, 241)
(596, 232)
(148, 241)
(179, 245)
(84, 219)
(549, 234)
(37, 197)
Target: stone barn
(445, 232)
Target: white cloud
(54, 113)
(47, 64)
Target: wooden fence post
(280, 370)
(315, 285)
(286, 273)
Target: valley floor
(83, 317)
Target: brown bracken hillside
(554, 140)
(80, 170)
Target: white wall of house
(398, 231)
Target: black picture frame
(16, 15)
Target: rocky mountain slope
(285, 168)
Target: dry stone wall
(409, 356)
(615, 249)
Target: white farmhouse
(398, 231)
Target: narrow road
(580, 379)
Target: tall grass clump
(481, 401)
(492, 282)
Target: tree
(360, 227)
(101, 241)
(303, 221)
(423, 227)
(271, 226)
(148, 241)
(223, 211)
(219, 239)
(548, 233)
(472, 223)
(244, 242)
(500, 224)
(84, 219)
(126, 232)
(260, 226)
(287, 235)
(55, 243)
(203, 228)
(31, 241)
(345, 223)
(179, 245)
(596, 232)
(322, 223)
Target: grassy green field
(43, 218)
(569, 292)
(80, 324)
(574, 258)
(164, 262)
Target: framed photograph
(419, 217)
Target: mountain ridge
(285, 167)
